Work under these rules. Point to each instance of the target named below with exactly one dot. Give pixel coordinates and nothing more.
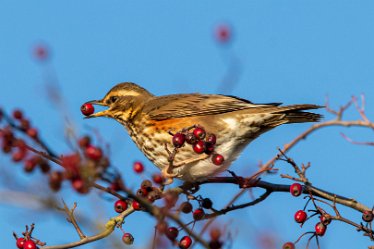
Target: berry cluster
(82, 167)
(296, 189)
(200, 141)
(172, 234)
(17, 147)
(27, 241)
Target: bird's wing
(185, 105)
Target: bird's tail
(293, 114)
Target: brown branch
(72, 220)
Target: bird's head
(124, 101)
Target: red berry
(128, 239)
(209, 148)
(367, 216)
(20, 242)
(120, 206)
(215, 234)
(29, 244)
(300, 216)
(199, 132)
(136, 205)
(211, 138)
(199, 147)
(288, 245)
(190, 138)
(80, 186)
(325, 219)
(223, 33)
(218, 159)
(17, 114)
(84, 141)
(178, 140)
(157, 178)
(55, 180)
(25, 124)
(296, 189)
(147, 185)
(30, 164)
(198, 214)
(32, 132)
(138, 167)
(87, 109)
(41, 52)
(18, 155)
(94, 153)
(320, 229)
(172, 233)
(185, 207)
(185, 242)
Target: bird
(150, 120)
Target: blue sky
(287, 51)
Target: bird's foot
(169, 177)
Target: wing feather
(185, 105)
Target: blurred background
(264, 51)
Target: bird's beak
(98, 114)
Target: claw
(168, 176)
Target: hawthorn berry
(300, 216)
(190, 138)
(55, 180)
(25, 124)
(17, 114)
(185, 207)
(320, 229)
(80, 186)
(87, 109)
(172, 233)
(94, 153)
(157, 178)
(215, 234)
(215, 244)
(142, 192)
(296, 189)
(136, 205)
(223, 33)
(41, 52)
(325, 219)
(198, 214)
(84, 141)
(199, 133)
(29, 244)
(209, 148)
(18, 155)
(218, 159)
(128, 239)
(199, 147)
(32, 132)
(367, 216)
(207, 203)
(146, 184)
(30, 164)
(288, 245)
(211, 138)
(20, 242)
(185, 242)
(178, 140)
(120, 206)
(138, 167)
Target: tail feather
(293, 114)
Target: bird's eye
(113, 99)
